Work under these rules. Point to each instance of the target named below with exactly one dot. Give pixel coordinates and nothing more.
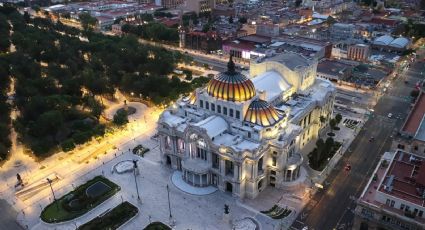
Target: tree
(36, 8)
(243, 20)
(338, 118)
(332, 123)
(121, 117)
(87, 21)
(68, 145)
(298, 3)
(414, 93)
(188, 74)
(322, 119)
(330, 20)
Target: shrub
(68, 145)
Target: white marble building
(242, 133)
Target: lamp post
(53, 193)
(169, 204)
(135, 179)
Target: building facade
(171, 4)
(394, 196)
(358, 52)
(200, 6)
(241, 134)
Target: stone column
(193, 179)
(222, 167)
(252, 171)
(200, 179)
(235, 171)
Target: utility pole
(135, 178)
(53, 193)
(169, 204)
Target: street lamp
(135, 179)
(53, 193)
(169, 204)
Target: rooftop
(290, 60)
(255, 38)
(414, 122)
(405, 178)
(332, 67)
(271, 83)
(214, 125)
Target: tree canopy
(60, 79)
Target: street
(8, 217)
(332, 207)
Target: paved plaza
(189, 211)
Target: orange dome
(262, 113)
(231, 85)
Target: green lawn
(78, 202)
(157, 226)
(112, 219)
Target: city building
(199, 6)
(388, 43)
(242, 134)
(333, 70)
(358, 52)
(342, 31)
(394, 195)
(267, 29)
(243, 46)
(203, 41)
(106, 12)
(323, 48)
(412, 134)
(171, 4)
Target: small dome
(262, 113)
(231, 85)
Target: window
(402, 206)
(238, 114)
(229, 167)
(273, 161)
(215, 160)
(218, 109)
(212, 107)
(201, 103)
(415, 148)
(421, 213)
(207, 105)
(249, 134)
(273, 172)
(231, 112)
(201, 153)
(167, 142)
(225, 110)
(260, 166)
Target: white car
(390, 115)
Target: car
(347, 167)
(371, 139)
(390, 115)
